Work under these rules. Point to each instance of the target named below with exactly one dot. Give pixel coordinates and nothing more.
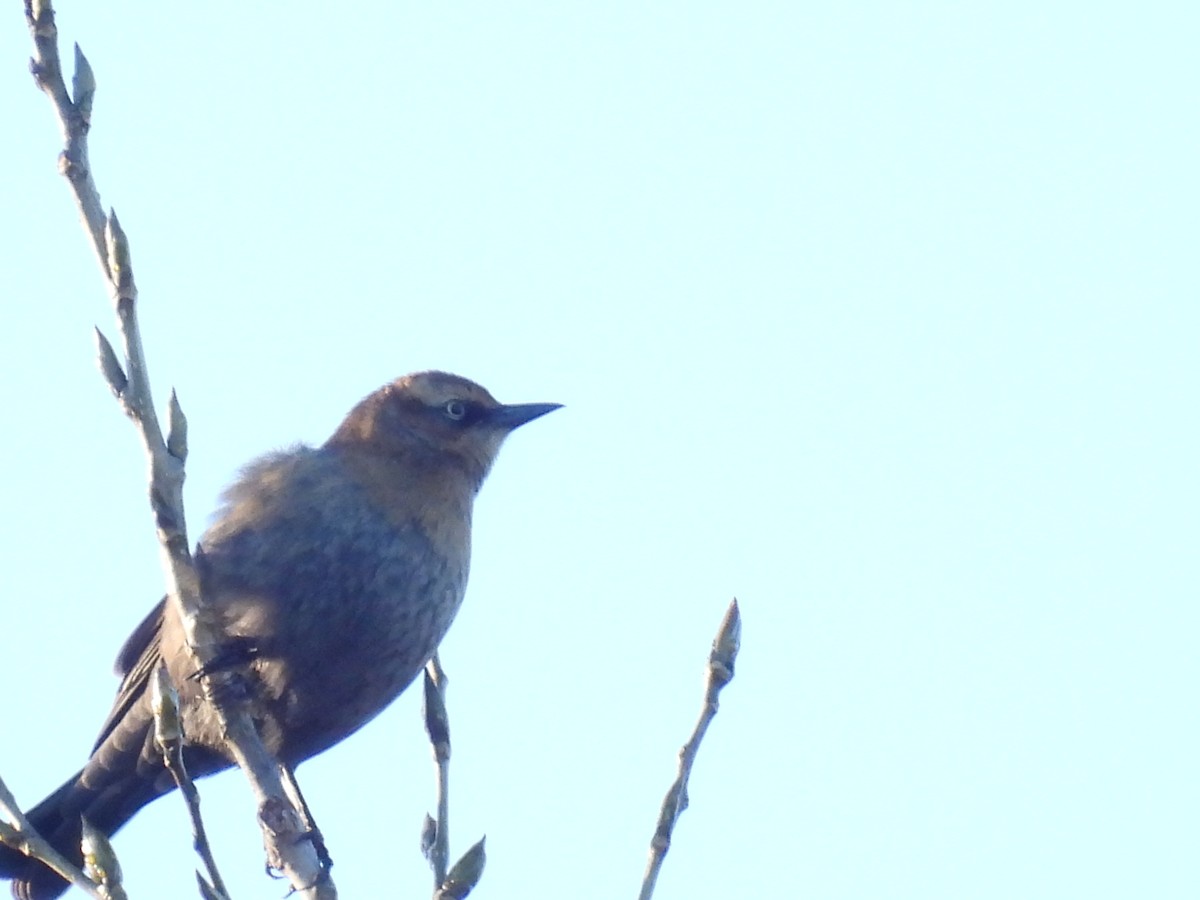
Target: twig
(720, 673)
(20, 835)
(282, 830)
(74, 118)
(168, 735)
(437, 726)
(464, 875)
(311, 831)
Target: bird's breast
(345, 584)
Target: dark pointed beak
(510, 417)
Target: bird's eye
(456, 410)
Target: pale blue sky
(882, 318)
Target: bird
(335, 572)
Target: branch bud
(164, 700)
(83, 86)
(177, 428)
(465, 874)
(110, 366)
(725, 647)
(100, 861)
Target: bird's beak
(510, 417)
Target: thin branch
(168, 735)
(74, 117)
(720, 673)
(283, 831)
(449, 882)
(21, 836)
(437, 726)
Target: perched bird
(336, 572)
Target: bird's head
(437, 417)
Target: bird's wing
(135, 664)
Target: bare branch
(435, 837)
(283, 831)
(720, 673)
(464, 875)
(20, 835)
(74, 119)
(168, 735)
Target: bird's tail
(58, 820)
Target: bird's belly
(368, 651)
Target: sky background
(883, 318)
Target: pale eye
(456, 410)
